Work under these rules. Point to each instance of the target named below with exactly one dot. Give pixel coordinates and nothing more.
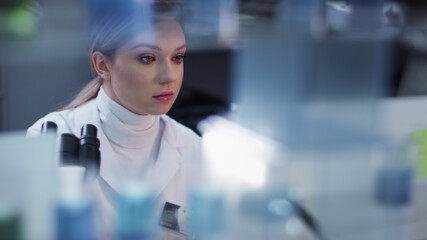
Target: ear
(101, 65)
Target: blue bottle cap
(393, 185)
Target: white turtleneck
(133, 138)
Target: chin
(160, 111)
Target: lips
(165, 96)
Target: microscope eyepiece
(69, 149)
(88, 135)
(49, 126)
(89, 130)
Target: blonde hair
(110, 29)
(89, 92)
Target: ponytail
(89, 92)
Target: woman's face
(145, 75)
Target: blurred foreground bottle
(207, 211)
(74, 210)
(394, 180)
(134, 204)
(10, 223)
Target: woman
(138, 64)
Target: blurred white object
(235, 154)
(27, 180)
(338, 15)
(71, 182)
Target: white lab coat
(179, 152)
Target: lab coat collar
(169, 158)
(168, 161)
(170, 134)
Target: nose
(167, 73)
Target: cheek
(180, 78)
(180, 72)
(132, 79)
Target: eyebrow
(154, 47)
(147, 45)
(181, 47)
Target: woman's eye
(147, 59)
(178, 59)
